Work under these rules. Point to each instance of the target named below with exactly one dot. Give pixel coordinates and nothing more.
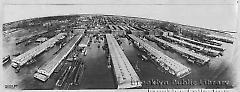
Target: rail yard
(113, 52)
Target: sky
(212, 14)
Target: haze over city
(214, 14)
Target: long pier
(169, 64)
(200, 48)
(123, 70)
(219, 48)
(27, 56)
(45, 71)
(200, 58)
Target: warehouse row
(169, 64)
(45, 71)
(200, 43)
(191, 56)
(28, 56)
(196, 48)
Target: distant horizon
(120, 16)
(215, 17)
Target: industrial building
(90, 51)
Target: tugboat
(85, 53)
(143, 58)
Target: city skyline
(208, 14)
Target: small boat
(6, 59)
(16, 54)
(85, 53)
(137, 68)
